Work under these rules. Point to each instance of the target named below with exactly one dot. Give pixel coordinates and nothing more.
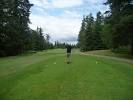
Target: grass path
(46, 76)
(110, 57)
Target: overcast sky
(62, 18)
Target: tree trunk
(132, 48)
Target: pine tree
(121, 21)
(98, 31)
(14, 34)
(81, 39)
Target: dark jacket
(69, 48)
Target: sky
(62, 19)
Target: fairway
(46, 76)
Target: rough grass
(119, 54)
(46, 76)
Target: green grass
(46, 76)
(120, 54)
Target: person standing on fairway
(69, 48)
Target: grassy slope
(110, 53)
(46, 76)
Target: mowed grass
(46, 76)
(119, 54)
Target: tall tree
(41, 40)
(98, 27)
(81, 39)
(14, 19)
(121, 21)
(90, 34)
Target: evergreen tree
(14, 34)
(121, 21)
(98, 27)
(90, 35)
(41, 45)
(81, 39)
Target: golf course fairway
(47, 76)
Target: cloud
(71, 14)
(56, 3)
(66, 3)
(59, 27)
(69, 39)
(62, 18)
(94, 2)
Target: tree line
(15, 35)
(58, 44)
(111, 30)
(90, 34)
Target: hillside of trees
(90, 35)
(15, 35)
(111, 30)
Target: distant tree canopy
(90, 33)
(63, 45)
(15, 35)
(38, 40)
